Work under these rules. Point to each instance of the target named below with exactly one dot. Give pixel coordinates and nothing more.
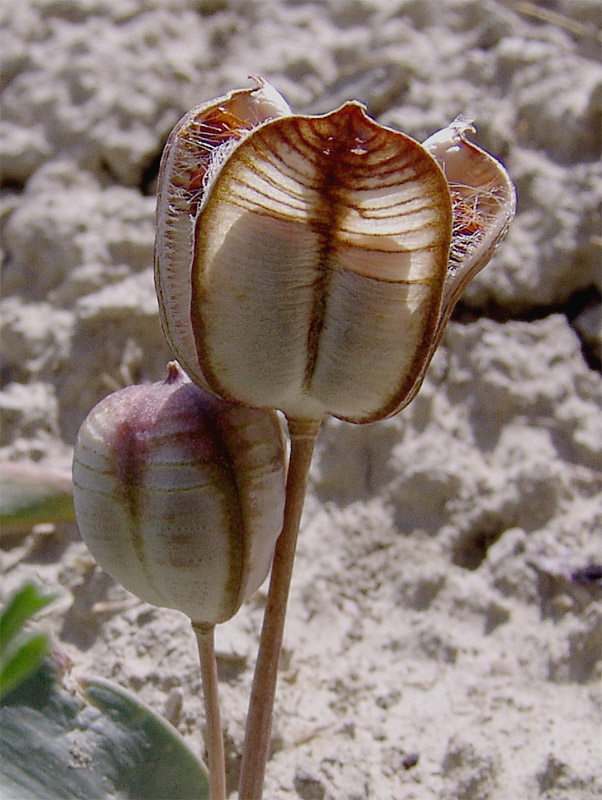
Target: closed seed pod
(304, 262)
(179, 495)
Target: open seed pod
(309, 264)
(303, 262)
(180, 495)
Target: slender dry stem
(214, 739)
(303, 435)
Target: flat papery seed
(180, 495)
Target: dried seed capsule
(309, 263)
(319, 254)
(179, 495)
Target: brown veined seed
(180, 495)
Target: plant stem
(213, 737)
(303, 435)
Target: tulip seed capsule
(180, 495)
(310, 264)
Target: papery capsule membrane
(195, 150)
(483, 202)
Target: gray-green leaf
(104, 745)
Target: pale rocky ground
(437, 646)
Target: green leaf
(22, 661)
(30, 494)
(176, 771)
(56, 745)
(21, 606)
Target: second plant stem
(303, 434)
(214, 739)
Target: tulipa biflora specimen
(309, 264)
